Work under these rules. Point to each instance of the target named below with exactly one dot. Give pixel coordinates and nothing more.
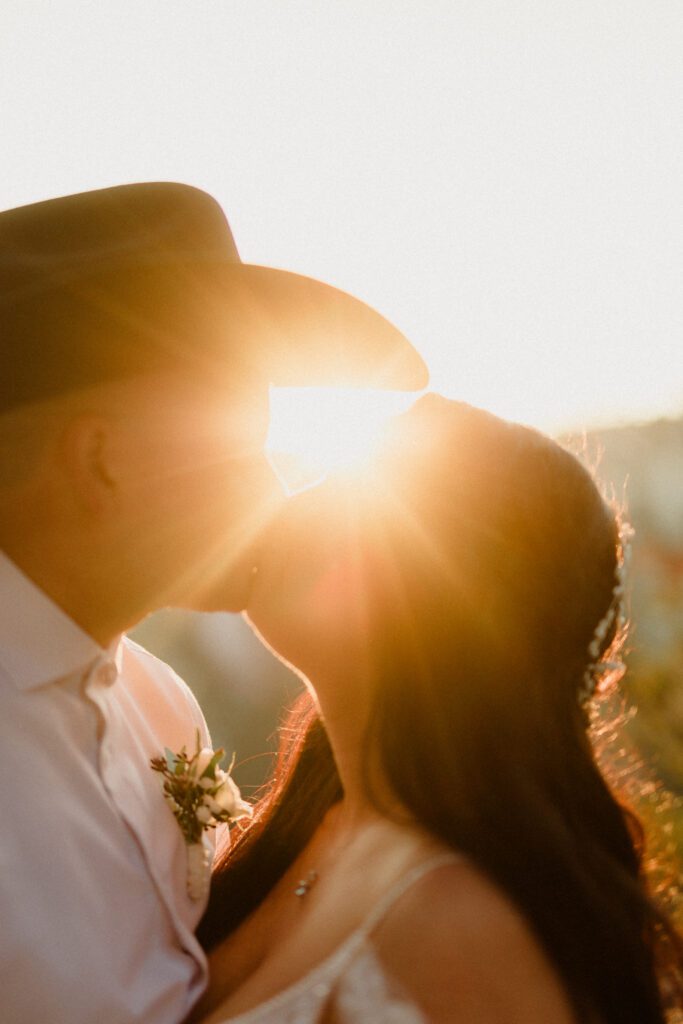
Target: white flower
(202, 761)
(199, 801)
(212, 804)
(229, 799)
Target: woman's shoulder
(463, 952)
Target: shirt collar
(39, 642)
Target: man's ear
(87, 456)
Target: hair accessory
(615, 616)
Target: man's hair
(25, 434)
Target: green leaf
(170, 760)
(210, 770)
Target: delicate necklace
(305, 885)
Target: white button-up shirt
(96, 926)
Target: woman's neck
(345, 707)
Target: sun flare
(315, 431)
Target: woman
(438, 842)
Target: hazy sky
(501, 178)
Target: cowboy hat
(112, 282)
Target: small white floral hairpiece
(200, 795)
(615, 615)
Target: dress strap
(314, 987)
(383, 906)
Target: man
(136, 352)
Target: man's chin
(224, 595)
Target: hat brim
(300, 332)
(226, 322)
(228, 319)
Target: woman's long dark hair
(479, 644)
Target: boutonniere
(200, 795)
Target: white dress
(351, 980)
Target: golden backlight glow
(315, 431)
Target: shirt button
(107, 673)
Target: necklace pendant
(305, 884)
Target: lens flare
(316, 431)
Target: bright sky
(502, 178)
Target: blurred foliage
(642, 466)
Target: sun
(316, 431)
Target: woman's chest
(286, 938)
